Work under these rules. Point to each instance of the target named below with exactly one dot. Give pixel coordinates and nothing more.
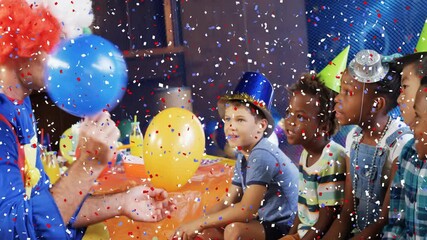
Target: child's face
(409, 86)
(241, 128)
(301, 120)
(349, 101)
(420, 123)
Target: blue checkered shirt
(408, 199)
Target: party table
(205, 188)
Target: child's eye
(240, 120)
(226, 119)
(301, 118)
(404, 86)
(346, 91)
(287, 114)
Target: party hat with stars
(331, 74)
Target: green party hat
(331, 74)
(422, 41)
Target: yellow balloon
(97, 232)
(174, 144)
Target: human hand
(146, 204)
(188, 231)
(98, 139)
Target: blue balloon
(86, 75)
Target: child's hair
(389, 86)
(312, 85)
(259, 115)
(420, 70)
(423, 82)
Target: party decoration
(86, 75)
(173, 148)
(367, 67)
(97, 231)
(331, 74)
(422, 41)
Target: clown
(30, 207)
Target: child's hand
(146, 204)
(188, 231)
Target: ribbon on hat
(391, 58)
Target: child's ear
(379, 104)
(263, 124)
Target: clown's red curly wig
(25, 31)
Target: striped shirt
(320, 185)
(408, 199)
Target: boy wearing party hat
(408, 205)
(310, 122)
(262, 198)
(411, 74)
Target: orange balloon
(174, 145)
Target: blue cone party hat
(253, 88)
